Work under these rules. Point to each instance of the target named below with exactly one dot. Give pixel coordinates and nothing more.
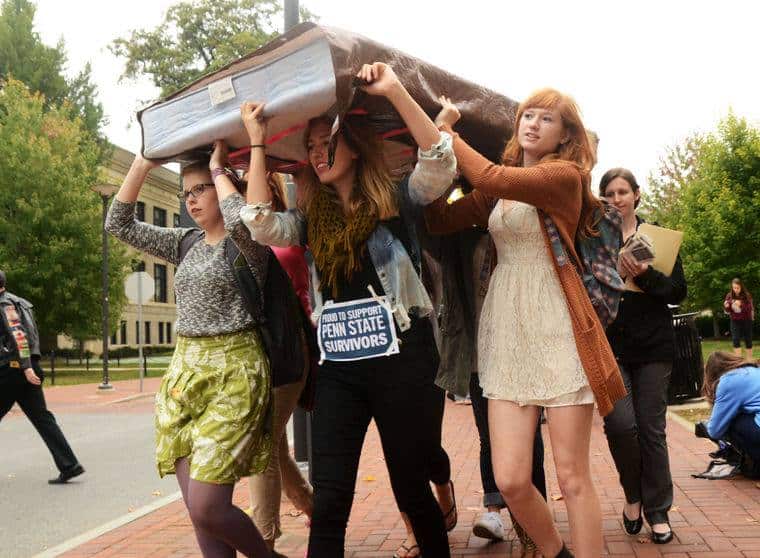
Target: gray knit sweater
(207, 294)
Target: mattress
(305, 73)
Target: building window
(123, 333)
(113, 338)
(176, 219)
(160, 333)
(147, 333)
(138, 337)
(159, 217)
(159, 277)
(140, 211)
(169, 332)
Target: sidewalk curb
(128, 398)
(686, 424)
(107, 527)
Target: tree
(674, 173)
(50, 220)
(25, 57)
(199, 37)
(719, 213)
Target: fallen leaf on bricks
(675, 508)
(156, 493)
(369, 478)
(556, 497)
(644, 540)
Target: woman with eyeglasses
(212, 409)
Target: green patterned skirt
(213, 407)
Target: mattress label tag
(221, 91)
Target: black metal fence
(686, 377)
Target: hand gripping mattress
(305, 73)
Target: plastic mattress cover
(305, 73)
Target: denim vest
(399, 271)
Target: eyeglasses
(195, 191)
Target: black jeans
(741, 330)
(635, 432)
(395, 391)
(744, 434)
(14, 388)
(491, 494)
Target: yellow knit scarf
(337, 242)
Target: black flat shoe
(565, 553)
(632, 526)
(67, 475)
(662, 538)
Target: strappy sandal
(452, 513)
(407, 550)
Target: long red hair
(577, 150)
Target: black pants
(14, 388)
(394, 391)
(741, 330)
(491, 494)
(439, 466)
(635, 432)
(744, 434)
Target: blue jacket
(738, 392)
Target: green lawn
(125, 369)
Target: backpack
(598, 265)
(284, 321)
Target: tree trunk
(716, 326)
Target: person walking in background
(21, 379)
(739, 306)
(642, 339)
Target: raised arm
(436, 165)
(162, 242)
(267, 227)
(554, 187)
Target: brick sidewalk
(710, 518)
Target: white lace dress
(526, 348)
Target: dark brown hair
(619, 172)
(744, 294)
(718, 363)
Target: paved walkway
(710, 518)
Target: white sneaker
(489, 526)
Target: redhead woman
(540, 343)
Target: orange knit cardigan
(556, 188)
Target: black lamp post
(105, 191)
